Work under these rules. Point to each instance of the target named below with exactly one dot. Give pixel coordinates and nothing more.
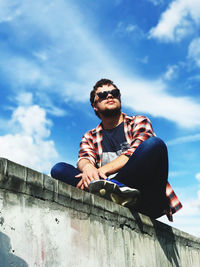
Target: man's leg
(147, 171)
(66, 173)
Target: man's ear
(94, 107)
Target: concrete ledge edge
(20, 179)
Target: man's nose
(109, 95)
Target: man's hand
(89, 173)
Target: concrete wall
(44, 222)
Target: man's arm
(90, 172)
(114, 165)
(86, 162)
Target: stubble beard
(110, 113)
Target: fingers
(79, 175)
(80, 185)
(89, 174)
(102, 175)
(84, 182)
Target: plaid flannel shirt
(137, 129)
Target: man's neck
(112, 122)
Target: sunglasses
(103, 95)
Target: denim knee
(154, 140)
(58, 169)
(155, 143)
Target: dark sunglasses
(103, 95)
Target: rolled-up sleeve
(140, 131)
(87, 149)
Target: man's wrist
(86, 165)
(103, 170)
(83, 163)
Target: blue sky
(53, 52)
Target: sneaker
(116, 192)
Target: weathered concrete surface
(44, 222)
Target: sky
(53, 52)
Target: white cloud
(32, 120)
(130, 28)
(8, 11)
(24, 72)
(190, 208)
(173, 174)
(151, 97)
(41, 55)
(187, 219)
(75, 58)
(199, 196)
(197, 176)
(171, 72)
(24, 98)
(185, 223)
(194, 78)
(69, 56)
(124, 28)
(144, 60)
(29, 145)
(184, 139)
(177, 21)
(194, 51)
(156, 2)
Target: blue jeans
(146, 170)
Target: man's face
(108, 107)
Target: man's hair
(98, 84)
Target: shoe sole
(128, 198)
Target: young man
(122, 159)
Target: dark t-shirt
(114, 143)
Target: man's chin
(109, 113)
